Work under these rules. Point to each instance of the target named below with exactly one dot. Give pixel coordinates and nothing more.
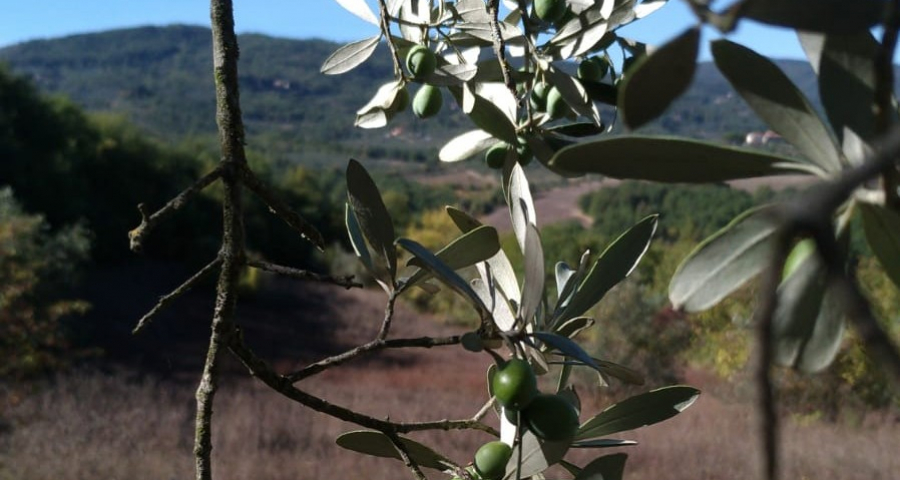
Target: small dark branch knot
(149, 221)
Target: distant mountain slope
(161, 78)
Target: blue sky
(33, 19)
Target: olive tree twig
(280, 208)
(149, 221)
(499, 44)
(373, 346)
(404, 455)
(283, 385)
(346, 281)
(165, 300)
(385, 25)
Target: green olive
(427, 102)
(538, 98)
(421, 61)
(550, 10)
(495, 157)
(556, 105)
(591, 69)
(491, 460)
(523, 151)
(551, 417)
(514, 384)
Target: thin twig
(388, 316)
(165, 300)
(368, 348)
(149, 221)
(765, 319)
(346, 282)
(404, 455)
(280, 208)
(283, 385)
(499, 45)
(386, 31)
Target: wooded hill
(160, 78)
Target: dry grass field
(121, 425)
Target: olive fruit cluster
(545, 98)
(421, 62)
(549, 417)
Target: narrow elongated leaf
(378, 111)
(613, 265)
(604, 443)
(563, 274)
(638, 411)
(831, 16)
(467, 250)
(846, 79)
(723, 262)
(444, 273)
(672, 160)
(568, 289)
(581, 129)
(775, 99)
(609, 467)
(373, 217)
(574, 326)
(882, 227)
(620, 372)
(521, 205)
(808, 324)
(567, 347)
(379, 445)
(574, 94)
(350, 56)
(533, 286)
(466, 145)
(360, 9)
(501, 271)
(656, 80)
(537, 456)
(485, 115)
(362, 250)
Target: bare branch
(232, 253)
(164, 301)
(765, 316)
(404, 456)
(346, 282)
(283, 385)
(148, 222)
(499, 45)
(368, 348)
(385, 17)
(280, 208)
